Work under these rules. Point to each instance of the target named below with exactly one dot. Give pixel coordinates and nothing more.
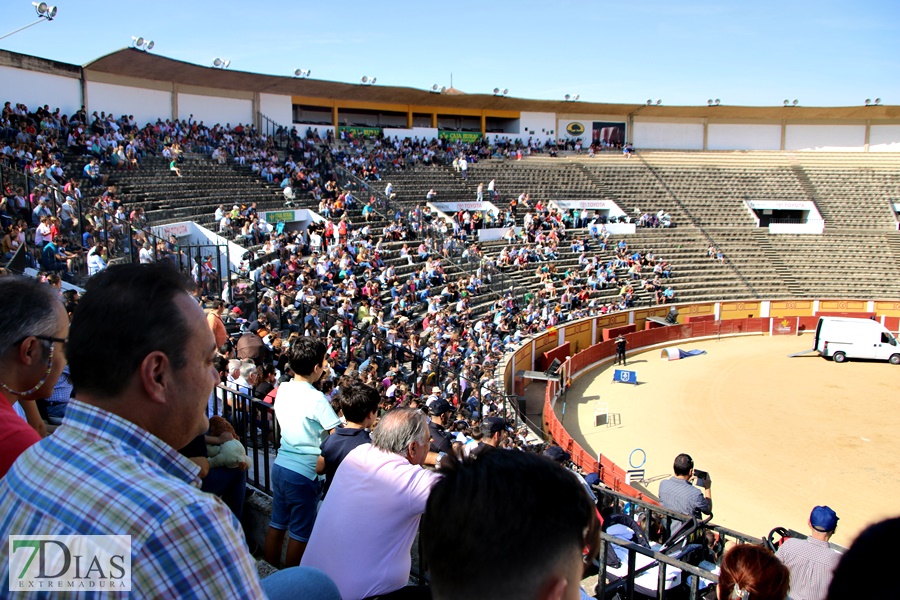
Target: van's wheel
(894, 359)
(839, 357)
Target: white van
(841, 338)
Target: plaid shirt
(99, 474)
(679, 495)
(812, 563)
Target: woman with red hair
(752, 573)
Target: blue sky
(823, 53)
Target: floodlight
(44, 10)
(221, 63)
(141, 43)
(302, 73)
(796, 102)
(496, 90)
(787, 102)
(877, 101)
(45, 13)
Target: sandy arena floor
(778, 435)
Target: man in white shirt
(385, 481)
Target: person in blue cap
(812, 561)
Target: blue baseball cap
(822, 518)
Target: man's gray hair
(398, 428)
(28, 309)
(247, 369)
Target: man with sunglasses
(33, 330)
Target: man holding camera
(678, 493)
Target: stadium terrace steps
(857, 256)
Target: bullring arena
(777, 435)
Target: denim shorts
(294, 500)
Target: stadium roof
(129, 62)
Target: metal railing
(255, 423)
(646, 514)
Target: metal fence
(256, 426)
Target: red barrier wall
(560, 352)
(612, 333)
(892, 323)
(807, 323)
(696, 318)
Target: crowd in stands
(340, 267)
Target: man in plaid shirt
(141, 359)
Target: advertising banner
(468, 137)
(362, 131)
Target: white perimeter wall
(427, 133)
(146, 105)
(725, 136)
(839, 138)
(884, 138)
(37, 89)
(278, 108)
(668, 136)
(540, 123)
(212, 110)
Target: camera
(702, 478)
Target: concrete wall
(278, 108)
(426, 133)
(734, 136)
(884, 138)
(834, 138)
(146, 105)
(541, 126)
(35, 89)
(668, 136)
(212, 110)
